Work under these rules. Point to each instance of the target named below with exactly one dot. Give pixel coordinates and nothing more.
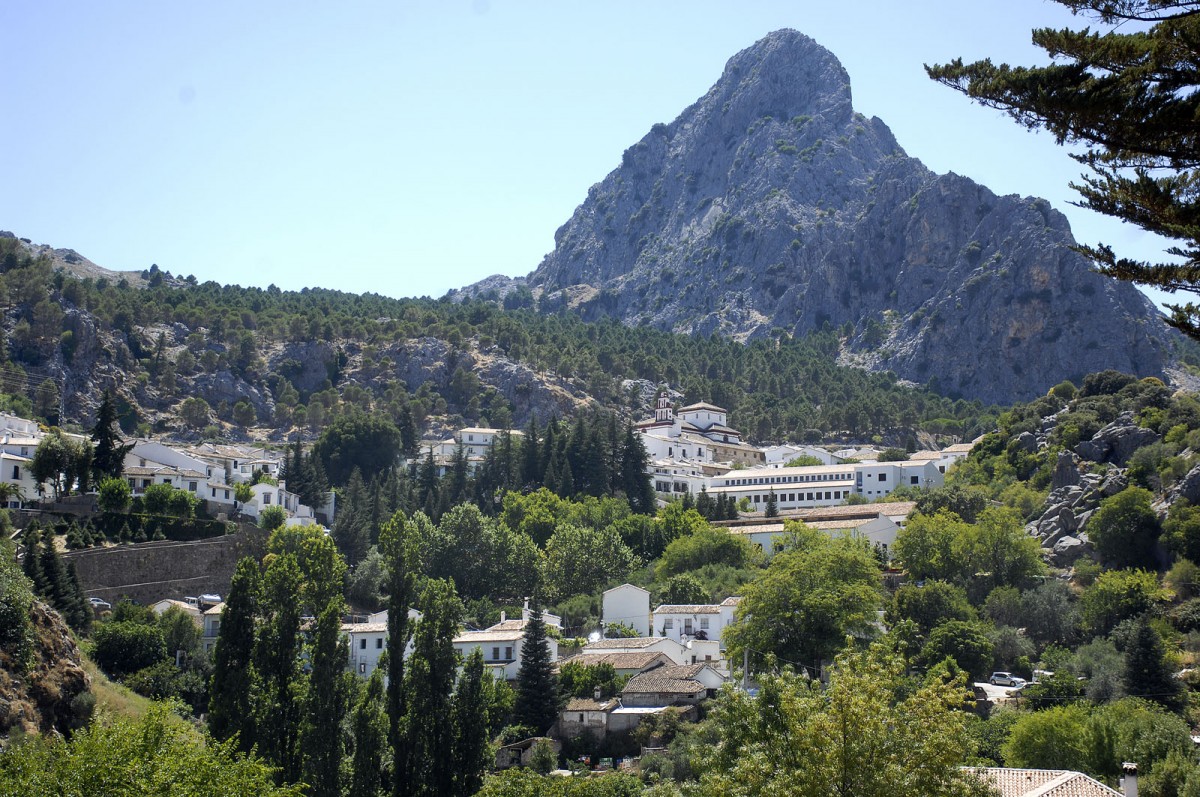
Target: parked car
(100, 605)
(1006, 679)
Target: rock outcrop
(51, 693)
(770, 203)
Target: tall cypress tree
(537, 690)
(470, 719)
(531, 464)
(399, 553)
(230, 710)
(429, 683)
(277, 661)
(369, 725)
(321, 739)
(550, 446)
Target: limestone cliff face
(771, 203)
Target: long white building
(694, 449)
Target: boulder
(1188, 488)
(1066, 471)
(1114, 482)
(1116, 442)
(1068, 549)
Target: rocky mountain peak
(770, 203)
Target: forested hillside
(195, 359)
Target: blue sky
(408, 148)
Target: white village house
(501, 643)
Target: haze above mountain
(770, 204)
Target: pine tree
(108, 459)
(1146, 672)
(32, 561)
(469, 713)
(321, 739)
(351, 531)
(230, 709)
(537, 689)
(772, 509)
(78, 611)
(1129, 97)
(688, 502)
(634, 476)
(704, 505)
(58, 588)
(369, 725)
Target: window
(508, 653)
(669, 624)
(687, 626)
(379, 643)
(495, 654)
(362, 644)
(914, 480)
(704, 623)
(362, 667)
(883, 477)
(266, 499)
(16, 471)
(192, 486)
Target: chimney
(503, 616)
(596, 694)
(1129, 784)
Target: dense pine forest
(194, 358)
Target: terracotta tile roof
(1042, 782)
(701, 405)
(625, 642)
(586, 704)
(671, 608)
(509, 630)
(732, 600)
(638, 660)
(365, 628)
(677, 679)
